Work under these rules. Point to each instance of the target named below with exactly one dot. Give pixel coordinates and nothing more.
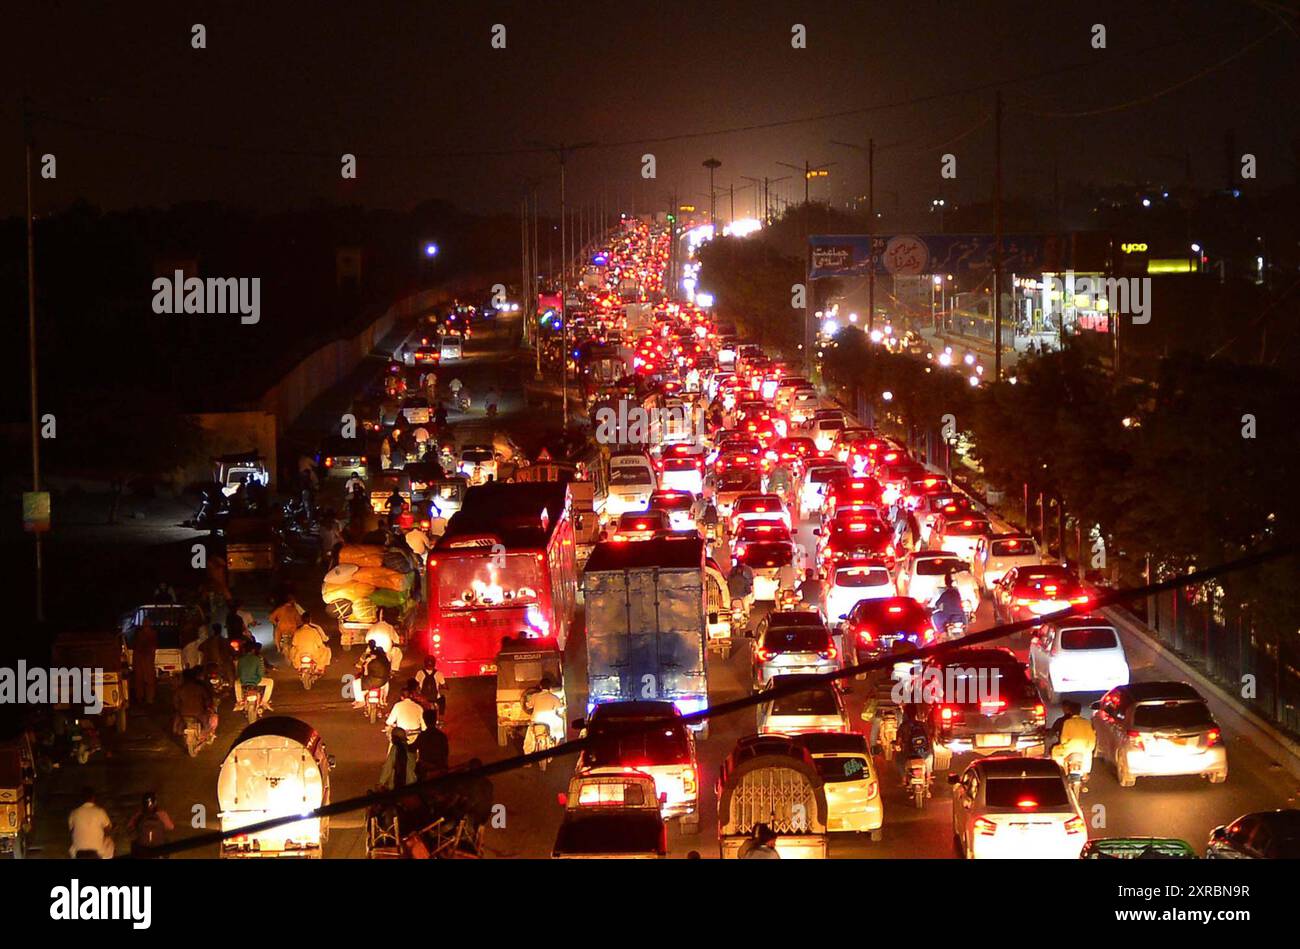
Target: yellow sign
(1172, 265)
(1133, 248)
(687, 207)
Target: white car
(1077, 654)
(998, 553)
(921, 574)
(477, 463)
(816, 483)
(680, 506)
(682, 473)
(819, 708)
(849, 583)
(1006, 806)
(758, 507)
(1158, 728)
(959, 533)
(825, 431)
(640, 525)
(803, 403)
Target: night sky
(262, 115)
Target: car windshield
(628, 475)
(816, 700)
(1092, 638)
(1164, 715)
(1014, 548)
(861, 577)
(1026, 794)
(478, 582)
(674, 502)
(763, 555)
(937, 566)
(796, 639)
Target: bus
(504, 567)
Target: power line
(570, 748)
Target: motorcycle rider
(740, 583)
(310, 641)
(430, 683)
(947, 607)
(91, 829)
(810, 590)
(787, 578)
(148, 826)
(250, 673)
(544, 706)
(193, 699)
(913, 742)
(286, 618)
(407, 714)
(1074, 735)
(372, 673)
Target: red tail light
(1075, 825)
(829, 653)
(1026, 803)
(764, 655)
(1135, 740)
(864, 635)
(1213, 737)
(985, 827)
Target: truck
(639, 316)
(647, 625)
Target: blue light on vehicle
(430, 250)
(533, 616)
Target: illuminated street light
(430, 250)
(945, 359)
(887, 396)
(969, 359)
(974, 380)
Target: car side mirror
(954, 778)
(331, 761)
(563, 799)
(817, 532)
(844, 616)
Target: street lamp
(430, 250)
(713, 165)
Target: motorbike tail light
(1040, 714)
(1135, 740)
(984, 827)
(1075, 825)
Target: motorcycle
(739, 618)
(193, 736)
(374, 700)
(309, 672)
(538, 738)
(1076, 773)
(220, 687)
(787, 600)
(889, 716)
(462, 401)
(919, 779)
(492, 410)
(252, 703)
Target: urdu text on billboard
(855, 255)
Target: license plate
(993, 741)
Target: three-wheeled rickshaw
(769, 779)
(105, 653)
(17, 794)
(521, 664)
(277, 767)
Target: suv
(792, 642)
(1006, 806)
(978, 700)
(998, 553)
(1159, 728)
(873, 627)
(652, 738)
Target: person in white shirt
(407, 713)
(419, 543)
(91, 828)
(545, 707)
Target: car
(734, 483)
(817, 483)
(978, 700)
(874, 627)
(477, 463)
(752, 532)
(1263, 835)
(1013, 807)
(858, 537)
(678, 505)
(651, 737)
(757, 507)
(848, 773)
(343, 457)
(995, 554)
(1137, 848)
(1077, 654)
(849, 494)
(817, 707)
(1026, 592)
(681, 472)
(792, 642)
(766, 558)
(921, 576)
(611, 814)
(451, 347)
(959, 533)
(803, 403)
(929, 508)
(642, 525)
(850, 582)
(426, 355)
(417, 410)
(825, 431)
(1148, 729)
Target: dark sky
(261, 116)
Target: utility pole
(997, 236)
(713, 164)
(871, 232)
(732, 219)
(31, 353)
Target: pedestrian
(399, 766)
(144, 673)
(91, 829)
(149, 826)
(762, 846)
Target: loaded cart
(369, 578)
(276, 768)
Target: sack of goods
(363, 555)
(398, 560)
(382, 577)
(346, 591)
(392, 598)
(341, 574)
(364, 611)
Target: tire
(191, 746)
(252, 712)
(307, 680)
(877, 835)
(1218, 778)
(691, 825)
(372, 712)
(503, 736)
(1125, 779)
(918, 797)
(83, 754)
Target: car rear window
(796, 639)
(847, 768)
(611, 746)
(966, 528)
(679, 464)
(1026, 794)
(646, 520)
(758, 506)
(861, 577)
(937, 566)
(1172, 715)
(675, 502)
(1099, 637)
(817, 700)
(1014, 548)
(970, 685)
(760, 556)
(825, 475)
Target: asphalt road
(148, 758)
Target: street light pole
(713, 164)
(31, 355)
(997, 237)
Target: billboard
(855, 255)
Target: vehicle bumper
(1009, 845)
(1028, 744)
(765, 673)
(765, 588)
(1145, 764)
(855, 818)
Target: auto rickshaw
(521, 665)
(105, 654)
(234, 471)
(718, 603)
(382, 487)
(17, 797)
(772, 780)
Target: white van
(631, 482)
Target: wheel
(252, 712)
(918, 797)
(119, 720)
(83, 754)
(503, 736)
(691, 825)
(372, 712)
(877, 835)
(1126, 780)
(1218, 777)
(307, 681)
(191, 746)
